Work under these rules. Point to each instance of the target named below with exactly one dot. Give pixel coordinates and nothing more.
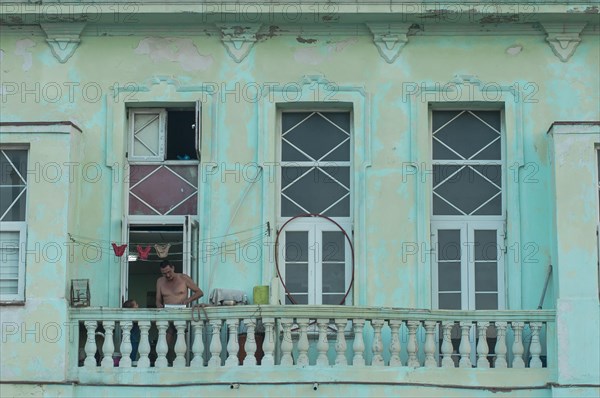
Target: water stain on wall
(181, 51)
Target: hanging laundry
(119, 250)
(143, 252)
(162, 250)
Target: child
(135, 333)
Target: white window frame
(161, 112)
(320, 224)
(598, 207)
(189, 232)
(21, 228)
(467, 260)
(468, 224)
(315, 228)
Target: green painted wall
(171, 61)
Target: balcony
(257, 344)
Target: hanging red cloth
(143, 252)
(119, 250)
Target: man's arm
(158, 299)
(194, 288)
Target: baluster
(303, 343)
(198, 345)
(482, 346)
(286, 343)
(90, 344)
(232, 345)
(180, 345)
(413, 346)
(535, 348)
(465, 346)
(430, 361)
(359, 345)
(250, 346)
(447, 348)
(125, 348)
(500, 349)
(144, 347)
(517, 347)
(215, 344)
(395, 343)
(377, 344)
(162, 348)
(109, 345)
(322, 343)
(340, 344)
(269, 342)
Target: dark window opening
(181, 142)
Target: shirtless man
(172, 288)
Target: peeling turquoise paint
(387, 274)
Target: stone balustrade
(321, 336)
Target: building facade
(416, 183)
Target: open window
(165, 134)
(150, 244)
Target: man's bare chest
(174, 287)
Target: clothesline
(204, 251)
(212, 238)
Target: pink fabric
(119, 250)
(143, 252)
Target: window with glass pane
(296, 266)
(315, 156)
(486, 269)
(598, 158)
(467, 163)
(467, 208)
(13, 206)
(315, 177)
(449, 269)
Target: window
(598, 226)
(315, 178)
(598, 162)
(163, 161)
(177, 242)
(163, 155)
(468, 211)
(164, 134)
(13, 209)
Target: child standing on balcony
(135, 333)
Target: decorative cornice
(563, 38)
(63, 38)
(389, 38)
(238, 40)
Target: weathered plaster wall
(390, 194)
(103, 62)
(576, 217)
(254, 390)
(35, 334)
